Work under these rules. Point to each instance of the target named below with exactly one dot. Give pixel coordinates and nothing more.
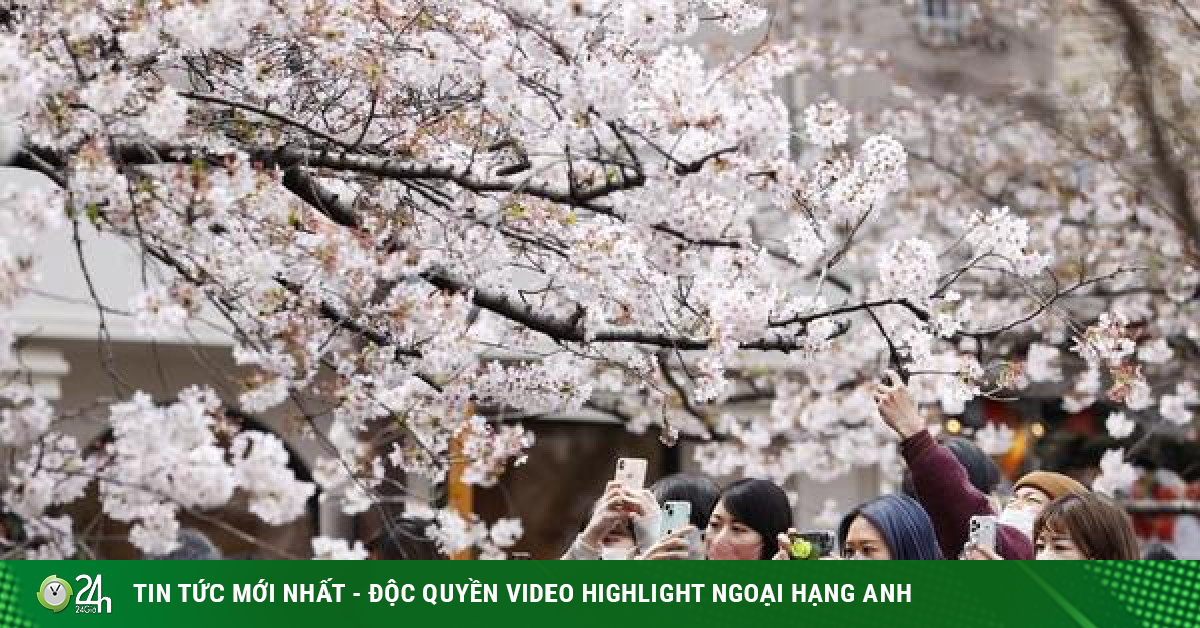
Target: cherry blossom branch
(104, 336)
(223, 525)
(267, 113)
(1046, 304)
(565, 330)
(294, 159)
(28, 160)
(847, 309)
(319, 197)
(1187, 13)
(1139, 50)
(382, 167)
(996, 201)
(894, 358)
(663, 358)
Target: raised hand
(897, 407)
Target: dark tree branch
(894, 358)
(921, 315)
(29, 160)
(567, 329)
(664, 365)
(1043, 306)
(266, 113)
(303, 185)
(1140, 50)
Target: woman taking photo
(1087, 526)
(611, 529)
(702, 493)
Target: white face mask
(615, 553)
(1050, 555)
(1019, 518)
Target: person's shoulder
(1012, 544)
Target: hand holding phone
(682, 544)
(982, 532)
(613, 509)
(897, 407)
(676, 515)
(631, 473)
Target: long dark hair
(762, 506)
(696, 488)
(904, 524)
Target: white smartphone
(982, 532)
(676, 515)
(631, 473)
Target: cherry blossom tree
(421, 222)
(1102, 164)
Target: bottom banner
(845, 594)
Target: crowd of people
(947, 489)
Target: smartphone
(676, 516)
(982, 532)
(631, 473)
(812, 545)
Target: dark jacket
(946, 493)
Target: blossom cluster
(421, 216)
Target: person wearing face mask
(1079, 526)
(611, 530)
(940, 483)
(748, 517)
(889, 527)
(1032, 493)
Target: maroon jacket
(950, 499)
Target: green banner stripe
(945, 594)
(1162, 594)
(11, 601)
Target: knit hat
(1052, 484)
